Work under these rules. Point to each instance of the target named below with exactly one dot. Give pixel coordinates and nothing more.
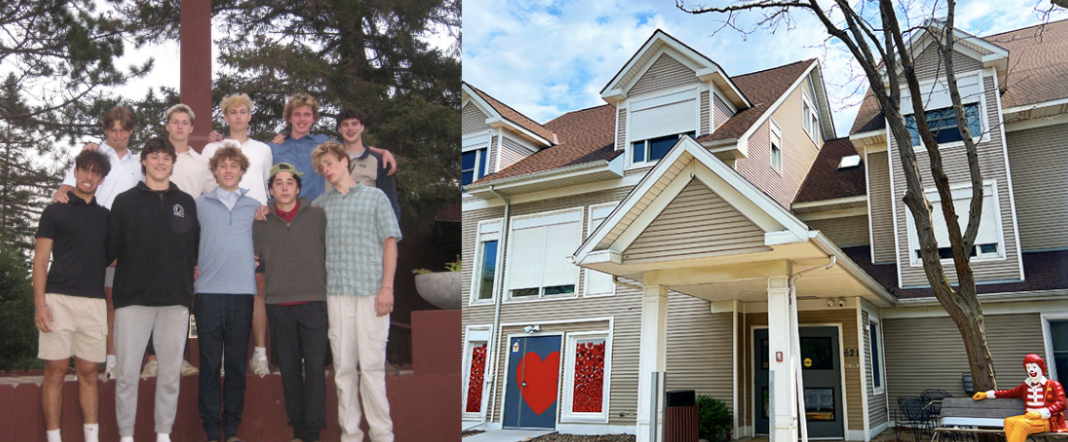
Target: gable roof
(763, 88)
(824, 181)
(1038, 71)
(513, 115)
(584, 136)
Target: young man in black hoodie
(291, 245)
(154, 234)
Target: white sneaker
(151, 370)
(259, 366)
(188, 369)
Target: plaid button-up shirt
(356, 225)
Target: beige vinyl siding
(705, 110)
(665, 73)
(798, 152)
(1039, 165)
(697, 223)
(493, 152)
(850, 231)
(621, 130)
(512, 152)
(876, 404)
(473, 120)
(881, 208)
(848, 320)
(722, 112)
(992, 164)
(924, 353)
(699, 347)
(930, 64)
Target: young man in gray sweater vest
(291, 245)
(224, 292)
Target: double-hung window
(989, 241)
(597, 283)
(586, 377)
(474, 159)
(537, 263)
(875, 338)
(810, 116)
(656, 123)
(776, 146)
(485, 269)
(938, 109)
(943, 124)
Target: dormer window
(938, 110)
(656, 124)
(474, 161)
(943, 124)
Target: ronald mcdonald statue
(1044, 399)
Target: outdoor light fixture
(531, 329)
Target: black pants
(223, 326)
(299, 331)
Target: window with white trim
(776, 146)
(485, 264)
(875, 338)
(938, 110)
(989, 241)
(586, 376)
(1058, 348)
(474, 164)
(598, 283)
(810, 116)
(475, 356)
(538, 250)
(655, 124)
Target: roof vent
(849, 161)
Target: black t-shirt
(79, 233)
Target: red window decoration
(474, 380)
(589, 377)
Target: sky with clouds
(548, 57)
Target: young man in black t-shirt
(70, 311)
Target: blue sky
(548, 57)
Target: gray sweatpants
(168, 327)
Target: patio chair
(933, 400)
(912, 414)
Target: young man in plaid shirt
(361, 259)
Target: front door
(821, 373)
(533, 379)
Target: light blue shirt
(297, 151)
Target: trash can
(680, 416)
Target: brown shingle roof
(1038, 71)
(585, 135)
(825, 181)
(514, 116)
(762, 89)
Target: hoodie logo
(179, 211)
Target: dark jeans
(223, 325)
(299, 331)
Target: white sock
(163, 437)
(126, 439)
(259, 352)
(53, 435)
(92, 432)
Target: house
(658, 242)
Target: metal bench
(966, 416)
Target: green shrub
(18, 345)
(714, 420)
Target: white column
(783, 393)
(653, 352)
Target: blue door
(532, 381)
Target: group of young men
(137, 244)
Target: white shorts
(80, 328)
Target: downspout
(795, 341)
(486, 417)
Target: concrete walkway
(506, 435)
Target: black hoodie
(155, 236)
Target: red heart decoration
(542, 378)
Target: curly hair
(234, 101)
(229, 151)
(331, 147)
(350, 113)
(297, 101)
(93, 161)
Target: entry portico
(694, 225)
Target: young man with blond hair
(224, 291)
(361, 259)
(71, 312)
(125, 173)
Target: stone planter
(441, 289)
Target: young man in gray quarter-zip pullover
(224, 292)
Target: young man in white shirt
(191, 173)
(125, 174)
(237, 111)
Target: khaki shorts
(80, 329)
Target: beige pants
(358, 338)
(1017, 428)
(80, 329)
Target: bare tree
(882, 45)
